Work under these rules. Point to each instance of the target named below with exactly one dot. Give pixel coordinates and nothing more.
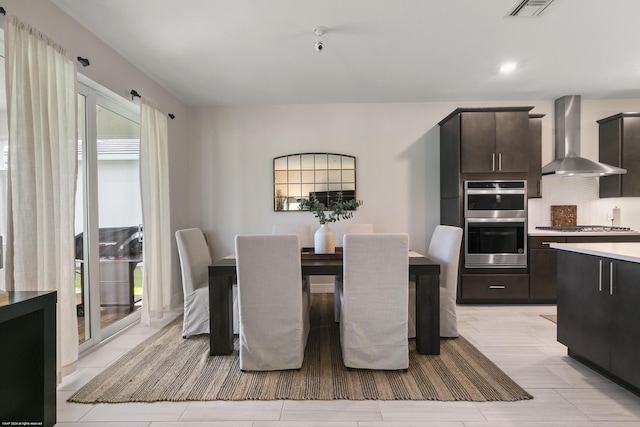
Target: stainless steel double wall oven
(495, 224)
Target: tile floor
(516, 338)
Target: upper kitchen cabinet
(620, 146)
(494, 141)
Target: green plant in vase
(337, 210)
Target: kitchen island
(543, 260)
(598, 316)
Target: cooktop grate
(583, 228)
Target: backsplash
(583, 192)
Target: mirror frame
(304, 175)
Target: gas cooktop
(583, 228)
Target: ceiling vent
(529, 8)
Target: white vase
(323, 240)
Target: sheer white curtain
(41, 104)
(154, 182)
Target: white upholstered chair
(339, 230)
(374, 297)
(194, 262)
(302, 230)
(445, 249)
(273, 303)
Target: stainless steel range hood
(567, 136)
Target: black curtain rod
(134, 94)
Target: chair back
(273, 330)
(340, 229)
(194, 259)
(303, 231)
(374, 316)
(445, 249)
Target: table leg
(428, 314)
(220, 315)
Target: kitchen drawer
(494, 287)
(542, 242)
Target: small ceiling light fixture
(508, 67)
(319, 31)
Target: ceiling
(250, 52)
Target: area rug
(167, 367)
(551, 317)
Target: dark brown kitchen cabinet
(619, 145)
(543, 269)
(494, 287)
(598, 318)
(494, 142)
(543, 262)
(584, 308)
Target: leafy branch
(337, 209)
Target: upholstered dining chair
(273, 302)
(194, 261)
(339, 230)
(445, 249)
(374, 299)
(302, 230)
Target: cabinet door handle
(500, 161)
(600, 276)
(611, 278)
(496, 286)
(547, 243)
(493, 162)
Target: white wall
(397, 154)
(397, 158)
(112, 71)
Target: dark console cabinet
(28, 359)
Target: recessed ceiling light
(508, 67)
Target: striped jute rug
(167, 367)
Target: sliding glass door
(108, 215)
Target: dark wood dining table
(426, 272)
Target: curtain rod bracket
(2, 11)
(134, 94)
(172, 116)
(83, 61)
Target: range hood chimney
(567, 136)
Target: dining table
(425, 272)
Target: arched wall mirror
(312, 175)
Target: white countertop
(582, 233)
(624, 251)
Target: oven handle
(480, 220)
(473, 191)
